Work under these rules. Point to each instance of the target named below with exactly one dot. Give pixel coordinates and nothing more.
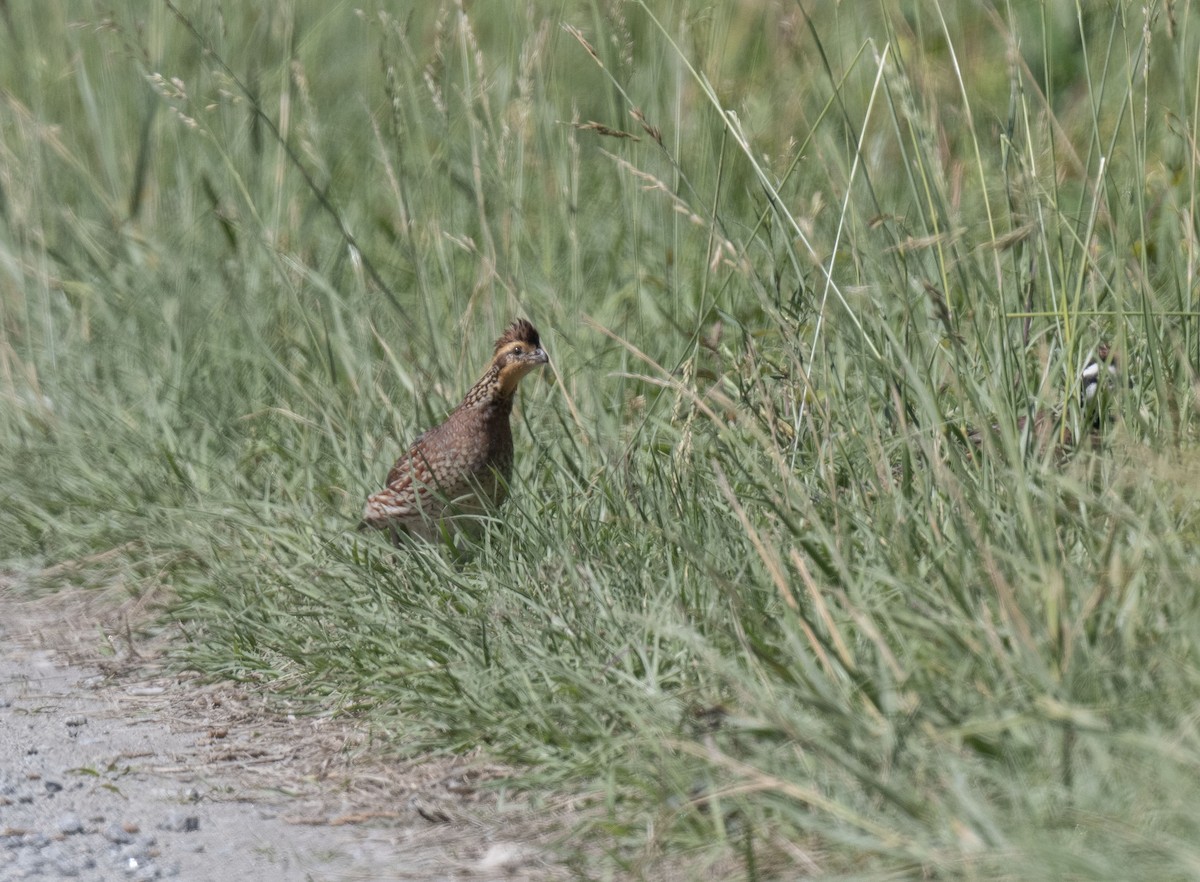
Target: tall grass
(755, 594)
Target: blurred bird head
(518, 351)
(1097, 382)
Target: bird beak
(539, 356)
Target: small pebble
(146, 690)
(29, 864)
(54, 853)
(70, 824)
(53, 787)
(66, 869)
(134, 854)
(179, 823)
(75, 722)
(117, 834)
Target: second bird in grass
(457, 471)
(1097, 383)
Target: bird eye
(517, 350)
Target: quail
(1096, 382)
(460, 469)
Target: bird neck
(490, 395)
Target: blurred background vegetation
(756, 599)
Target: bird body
(455, 472)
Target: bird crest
(519, 331)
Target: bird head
(518, 351)
(1097, 382)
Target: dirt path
(113, 769)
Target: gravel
(79, 797)
(101, 780)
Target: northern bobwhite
(1097, 380)
(453, 473)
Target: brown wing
(410, 496)
(402, 466)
